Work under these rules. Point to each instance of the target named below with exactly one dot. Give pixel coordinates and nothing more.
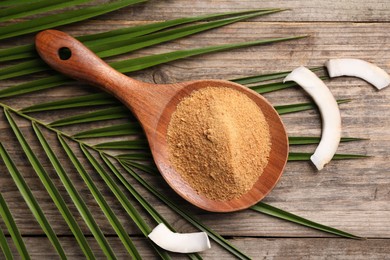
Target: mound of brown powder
(219, 142)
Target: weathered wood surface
(351, 195)
(258, 248)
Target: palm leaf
(122, 44)
(292, 108)
(36, 8)
(115, 223)
(114, 130)
(131, 211)
(83, 101)
(5, 247)
(100, 115)
(151, 168)
(35, 85)
(124, 145)
(136, 64)
(18, 52)
(261, 78)
(16, 2)
(266, 77)
(31, 201)
(125, 45)
(28, 51)
(275, 212)
(213, 235)
(24, 68)
(75, 196)
(135, 157)
(68, 17)
(156, 216)
(153, 60)
(50, 187)
(300, 140)
(270, 87)
(139, 30)
(145, 204)
(292, 156)
(13, 230)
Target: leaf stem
(47, 126)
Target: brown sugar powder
(219, 142)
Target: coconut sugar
(219, 142)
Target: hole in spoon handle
(70, 57)
(64, 53)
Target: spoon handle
(70, 57)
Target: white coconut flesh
(358, 68)
(329, 110)
(179, 242)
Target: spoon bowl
(154, 104)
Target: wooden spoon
(153, 105)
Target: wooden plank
(298, 11)
(257, 248)
(350, 195)
(313, 11)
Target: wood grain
(351, 195)
(313, 11)
(257, 248)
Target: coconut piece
(358, 68)
(179, 242)
(330, 114)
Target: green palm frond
(13, 230)
(74, 194)
(5, 247)
(36, 8)
(145, 204)
(92, 100)
(135, 64)
(112, 46)
(301, 140)
(120, 149)
(267, 77)
(67, 17)
(192, 220)
(16, 2)
(124, 145)
(50, 187)
(108, 212)
(275, 212)
(99, 115)
(292, 108)
(134, 156)
(114, 130)
(131, 211)
(31, 201)
(28, 51)
(293, 156)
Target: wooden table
(352, 195)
